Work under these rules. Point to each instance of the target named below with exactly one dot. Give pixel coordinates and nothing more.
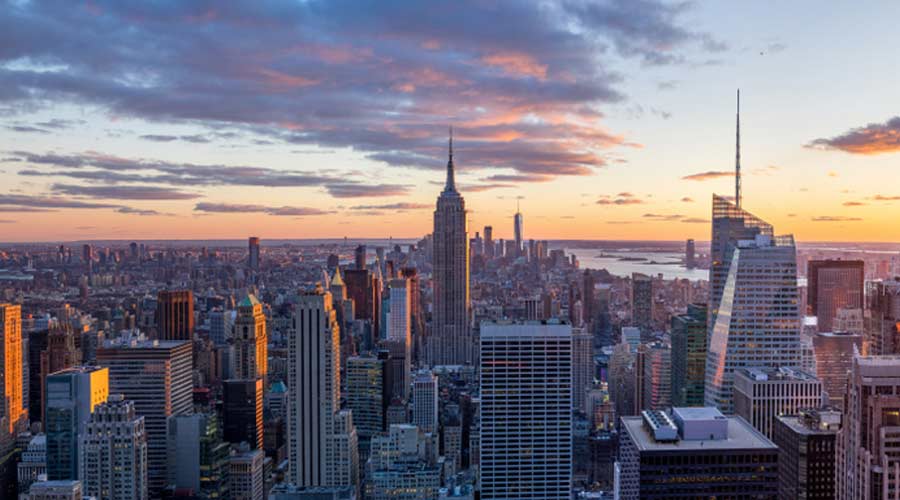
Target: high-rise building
(642, 303)
(60, 354)
(55, 490)
(517, 231)
(451, 342)
(416, 316)
(245, 476)
(834, 285)
(622, 366)
(366, 295)
(314, 418)
(250, 340)
(866, 457)
(689, 356)
(72, 395)
(526, 411)
(175, 315)
(760, 396)
(425, 401)
(582, 366)
(834, 353)
(403, 464)
(489, 242)
(253, 253)
(359, 257)
(694, 453)
(113, 452)
(156, 376)
(198, 456)
(242, 411)
(657, 380)
(33, 462)
(12, 409)
(806, 454)
(366, 397)
(882, 318)
(690, 254)
(762, 273)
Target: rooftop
(741, 436)
(536, 329)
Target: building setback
(806, 454)
(762, 395)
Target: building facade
(761, 396)
(113, 452)
(689, 356)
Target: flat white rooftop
(530, 329)
(741, 436)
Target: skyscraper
(834, 353)
(642, 303)
(488, 242)
(451, 341)
(314, 376)
(689, 356)
(657, 380)
(365, 396)
(113, 452)
(425, 401)
(244, 394)
(359, 257)
(11, 375)
(762, 395)
(175, 315)
(517, 230)
(834, 285)
(156, 376)
(242, 411)
(72, 395)
(582, 366)
(690, 258)
(253, 253)
(806, 454)
(526, 411)
(60, 354)
(198, 456)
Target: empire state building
(451, 342)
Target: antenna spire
(737, 155)
(451, 181)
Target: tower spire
(737, 155)
(451, 181)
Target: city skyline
(601, 129)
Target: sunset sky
(328, 118)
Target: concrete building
(113, 452)
(245, 477)
(12, 402)
(657, 376)
(403, 465)
(250, 340)
(526, 411)
(55, 490)
(72, 395)
(425, 401)
(834, 285)
(253, 253)
(642, 303)
(582, 366)
(694, 453)
(806, 454)
(175, 315)
(834, 353)
(156, 376)
(198, 457)
(762, 395)
(689, 356)
(365, 396)
(33, 462)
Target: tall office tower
(695, 453)
(365, 397)
(425, 401)
(690, 254)
(87, 257)
(37, 344)
(403, 464)
(156, 376)
(314, 401)
(359, 257)
(806, 454)
(113, 452)
(834, 285)
(399, 339)
(250, 340)
(242, 411)
(642, 304)
(582, 366)
(12, 409)
(253, 253)
(397, 376)
(55, 490)
(657, 381)
(760, 396)
(451, 342)
(587, 296)
(60, 354)
(526, 411)
(867, 443)
(175, 315)
(344, 458)
(622, 378)
(221, 326)
(198, 457)
(517, 231)
(489, 242)
(689, 356)
(366, 295)
(882, 318)
(416, 316)
(72, 395)
(834, 353)
(33, 462)
(762, 276)
(246, 476)
(337, 287)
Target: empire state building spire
(737, 155)
(451, 181)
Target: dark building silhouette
(175, 315)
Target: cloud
(667, 85)
(139, 211)
(518, 178)
(881, 197)
(125, 192)
(28, 201)
(27, 129)
(854, 204)
(248, 208)
(394, 206)
(695, 220)
(7, 221)
(663, 217)
(687, 199)
(620, 201)
(381, 78)
(835, 218)
(339, 190)
(705, 176)
(872, 139)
